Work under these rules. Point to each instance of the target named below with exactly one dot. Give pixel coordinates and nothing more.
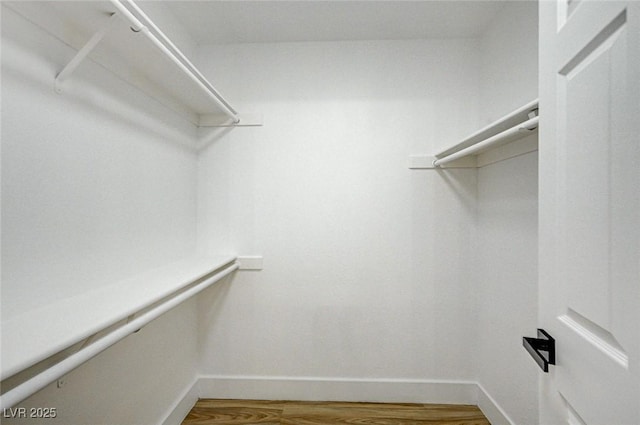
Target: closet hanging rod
(529, 125)
(170, 50)
(46, 377)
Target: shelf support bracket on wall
(83, 53)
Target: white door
(590, 210)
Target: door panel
(585, 97)
(590, 214)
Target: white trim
(251, 262)
(183, 405)
(491, 409)
(338, 389)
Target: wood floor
(245, 412)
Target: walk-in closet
(430, 202)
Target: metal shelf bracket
(83, 53)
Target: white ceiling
(223, 22)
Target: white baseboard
(337, 389)
(491, 409)
(183, 405)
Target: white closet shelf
(120, 37)
(35, 336)
(514, 126)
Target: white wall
(365, 271)
(367, 264)
(98, 184)
(509, 60)
(507, 283)
(179, 35)
(507, 224)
